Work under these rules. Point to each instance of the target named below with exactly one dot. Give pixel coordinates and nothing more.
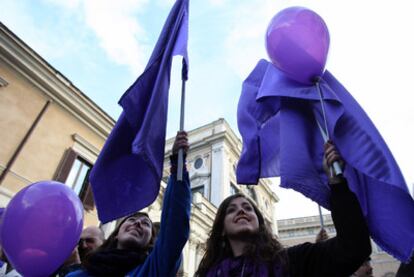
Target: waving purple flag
(277, 119)
(127, 175)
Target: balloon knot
(317, 79)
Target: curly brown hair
(263, 246)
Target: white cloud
(117, 27)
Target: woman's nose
(137, 223)
(241, 211)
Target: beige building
(294, 231)
(53, 131)
(50, 129)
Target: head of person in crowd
(128, 245)
(365, 270)
(134, 232)
(322, 235)
(91, 238)
(239, 229)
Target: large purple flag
(277, 120)
(127, 175)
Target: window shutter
(65, 165)
(86, 194)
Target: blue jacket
(165, 258)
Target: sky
(102, 46)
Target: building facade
(50, 129)
(294, 231)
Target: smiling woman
(131, 248)
(135, 231)
(242, 243)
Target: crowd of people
(241, 242)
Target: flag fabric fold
(277, 119)
(127, 174)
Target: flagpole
(184, 77)
(325, 133)
(320, 216)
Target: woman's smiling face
(135, 232)
(240, 218)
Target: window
(77, 175)
(198, 163)
(74, 172)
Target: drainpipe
(23, 142)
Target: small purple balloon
(40, 228)
(297, 42)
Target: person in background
(91, 238)
(322, 235)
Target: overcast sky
(103, 45)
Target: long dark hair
(263, 246)
(109, 260)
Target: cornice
(52, 83)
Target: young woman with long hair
(132, 248)
(242, 244)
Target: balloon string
(336, 167)
(324, 117)
(323, 109)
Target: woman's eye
(131, 219)
(229, 211)
(146, 223)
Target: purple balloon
(297, 42)
(40, 228)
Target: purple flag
(127, 175)
(277, 119)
